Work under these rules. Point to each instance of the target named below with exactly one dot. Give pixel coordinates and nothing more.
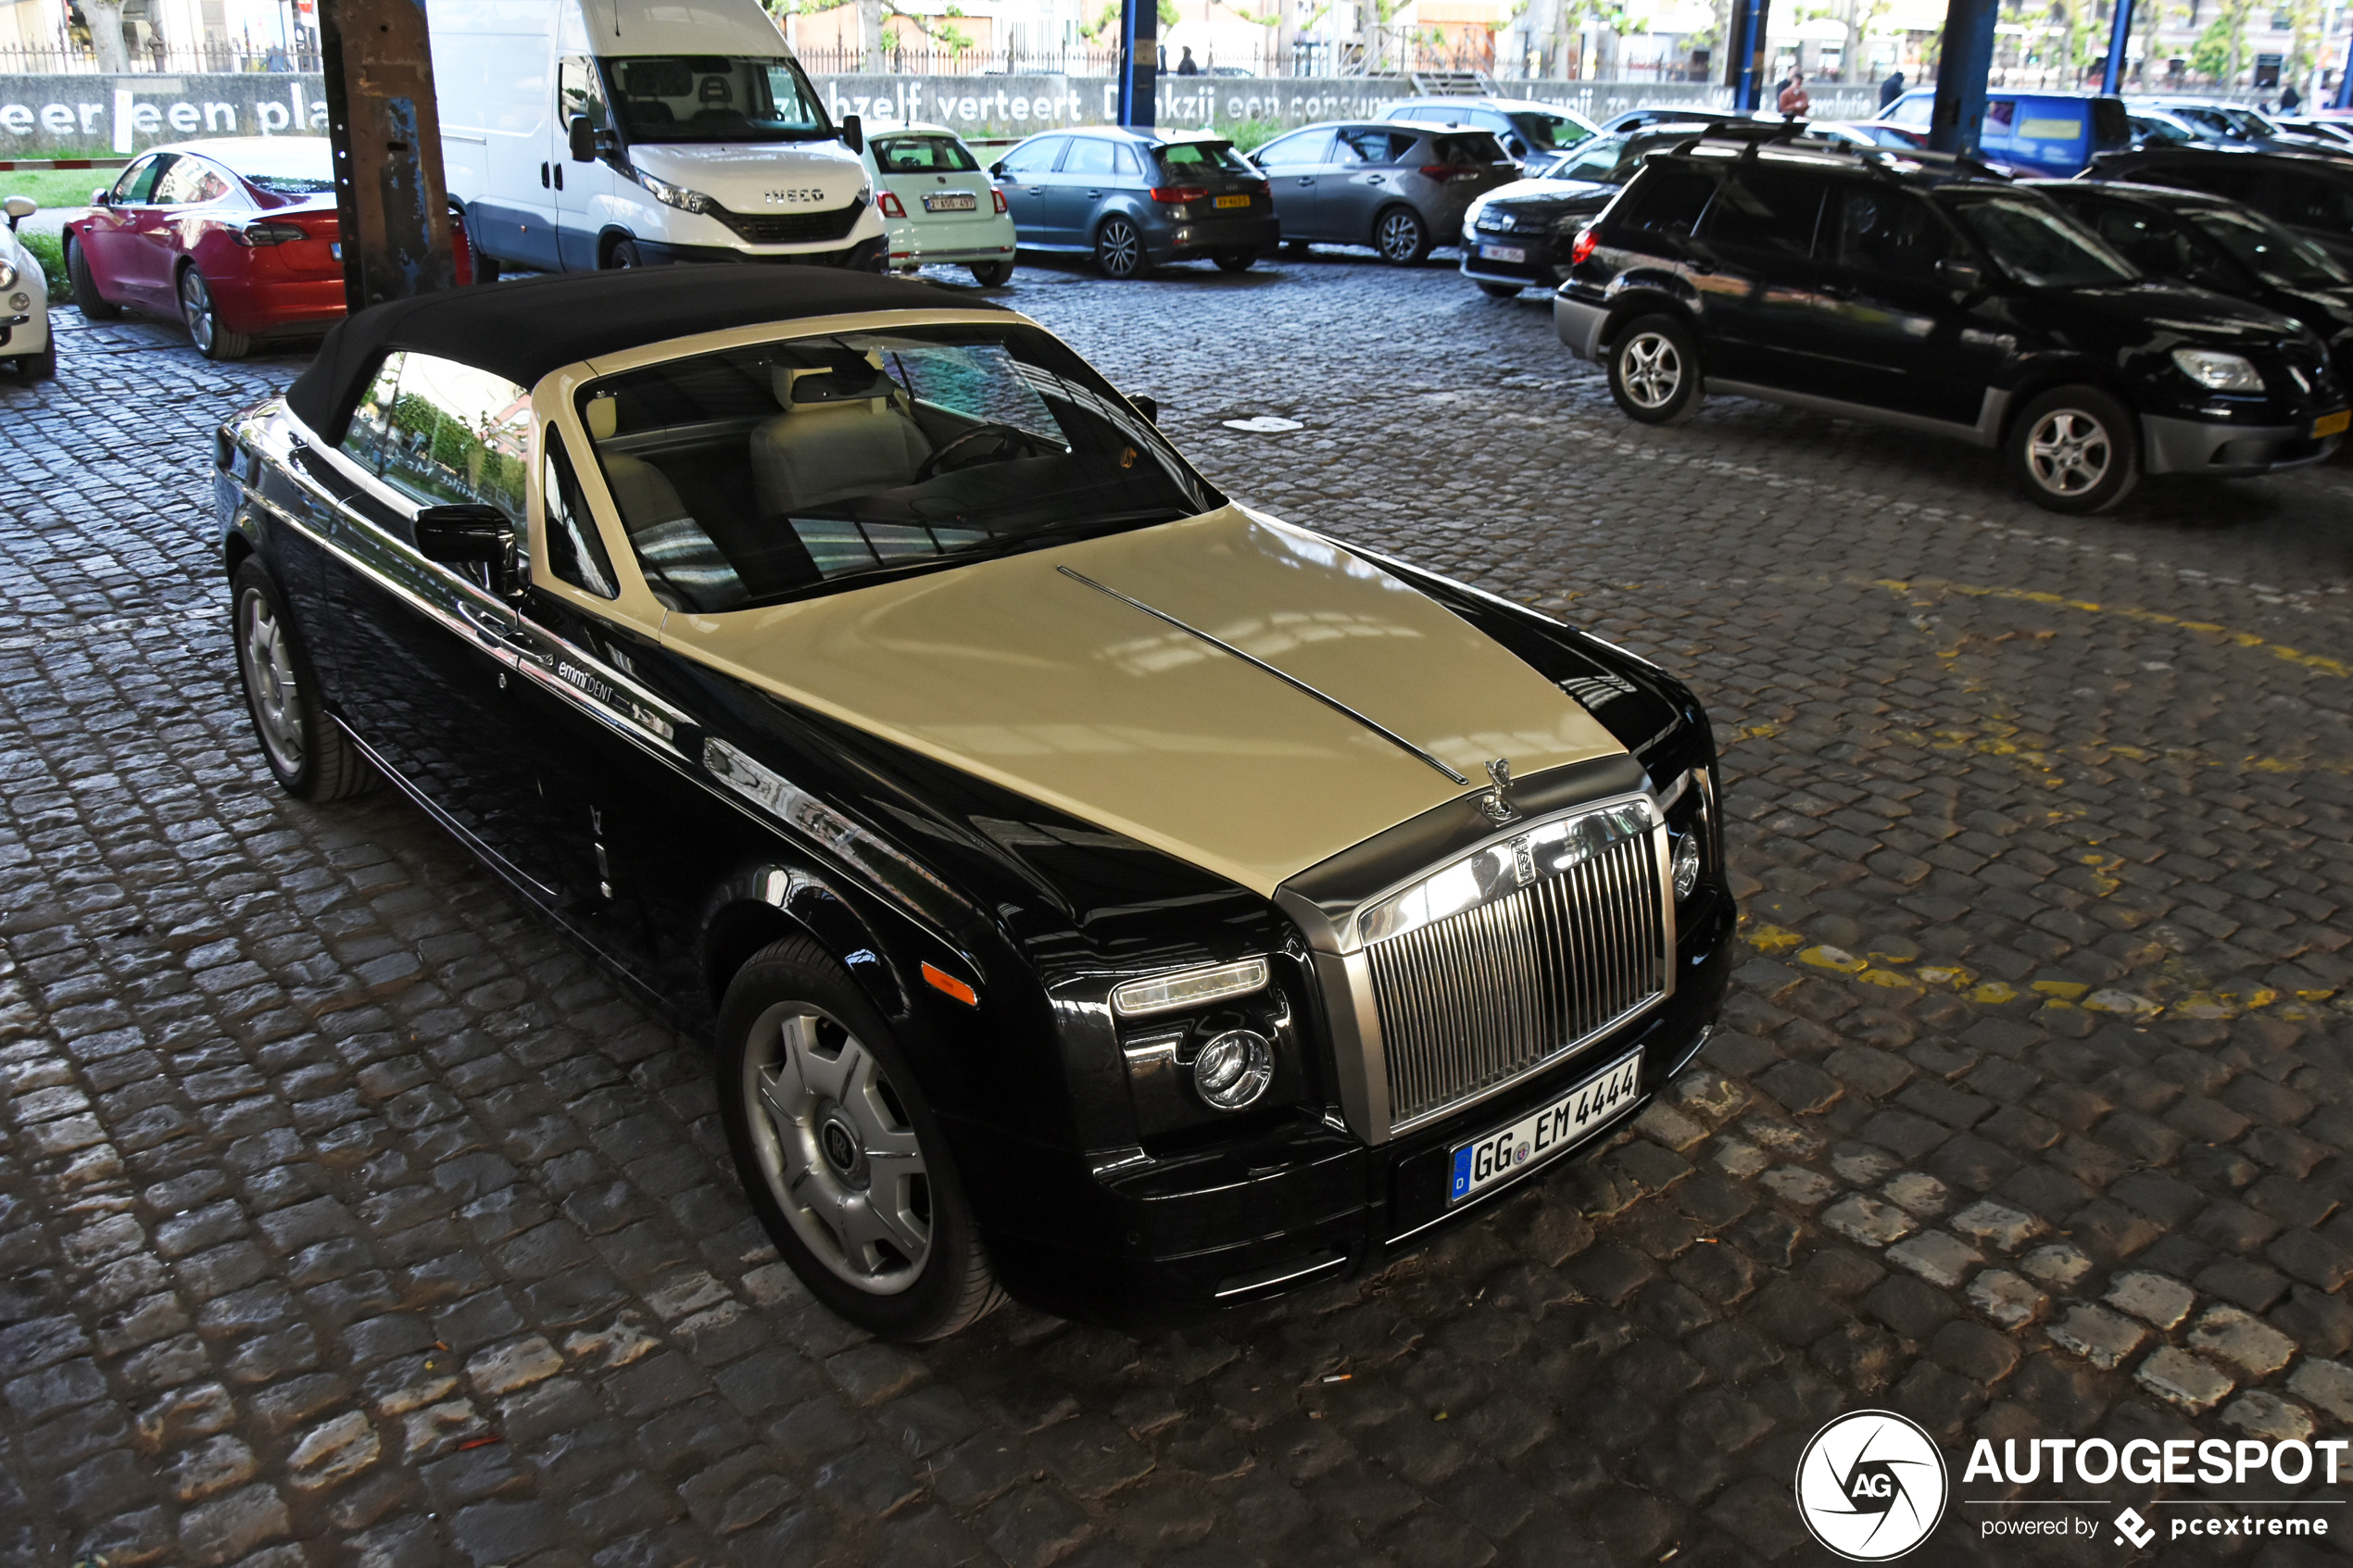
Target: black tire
(309, 755)
(1499, 290)
(41, 366)
(1400, 236)
(799, 1119)
(622, 252)
(95, 307)
(1655, 371)
(486, 267)
(2074, 449)
(1119, 249)
(1236, 260)
(991, 274)
(202, 318)
(1296, 247)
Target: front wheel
(310, 759)
(624, 254)
(95, 307)
(1402, 237)
(41, 365)
(2075, 449)
(202, 317)
(839, 1152)
(991, 274)
(1654, 371)
(1119, 249)
(1236, 260)
(1500, 290)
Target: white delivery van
(580, 135)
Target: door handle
(1094, 195)
(543, 176)
(560, 176)
(494, 629)
(1372, 179)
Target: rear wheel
(2075, 449)
(1400, 236)
(309, 757)
(991, 274)
(1236, 260)
(1296, 247)
(95, 307)
(197, 308)
(1654, 371)
(1500, 290)
(839, 1152)
(1119, 249)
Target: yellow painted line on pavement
(2319, 662)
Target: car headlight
(7, 275)
(1233, 1068)
(1686, 866)
(2217, 371)
(1188, 988)
(678, 196)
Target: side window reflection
(372, 420)
(458, 434)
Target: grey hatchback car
(1138, 198)
(1397, 188)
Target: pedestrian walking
(1891, 89)
(1793, 102)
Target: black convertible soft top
(523, 329)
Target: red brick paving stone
(293, 1094)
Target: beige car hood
(1012, 671)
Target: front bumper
(2222, 451)
(1306, 1202)
(866, 255)
(28, 333)
(1539, 270)
(1579, 325)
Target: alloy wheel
(270, 678)
(1650, 370)
(838, 1153)
(1400, 236)
(2069, 452)
(1119, 248)
(196, 308)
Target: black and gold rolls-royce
(1097, 891)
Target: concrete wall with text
(125, 113)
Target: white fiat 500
(25, 342)
(938, 206)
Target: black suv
(1517, 236)
(1918, 291)
(2310, 193)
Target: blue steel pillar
(1140, 63)
(2119, 33)
(1744, 52)
(1961, 69)
(2343, 99)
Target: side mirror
(1148, 407)
(853, 133)
(1961, 277)
(19, 208)
(583, 139)
(102, 197)
(997, 169)
(469, 534)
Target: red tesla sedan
(237, 237)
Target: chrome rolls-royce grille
(1479, 998)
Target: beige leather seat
(830, 442)
(684, 566)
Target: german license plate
(2331, 424)
(950, 201)
(1503, 253)
(1530, 1142)
(1233, 201)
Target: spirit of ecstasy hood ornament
(1495, 801)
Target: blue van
(2054, 133)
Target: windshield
(2037, 245)
(714, 98)
(2161, 130)
(2277, 255)
(1597, 161)
(785, 470)
(1546, 131)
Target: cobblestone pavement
(347, 1216)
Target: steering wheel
(1007, 437)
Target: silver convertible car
(1093, 890)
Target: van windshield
(714, 98)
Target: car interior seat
(684, 566)
(841, 434)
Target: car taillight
(1179, 192)
(1581, 246)
(267, 233)
(999, 197)
(890, 206)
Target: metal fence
(67, 57)
(933, 59)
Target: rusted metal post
(392, 206)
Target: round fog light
(20, 303)
(1687, 865)
(1233, 1068)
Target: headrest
(714, 90)
(848, 382)
(603, 418)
